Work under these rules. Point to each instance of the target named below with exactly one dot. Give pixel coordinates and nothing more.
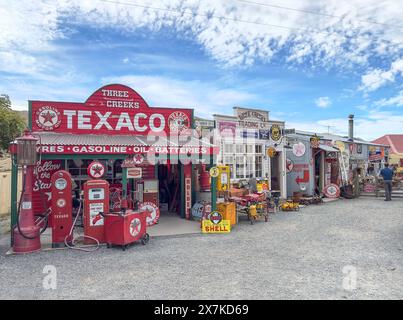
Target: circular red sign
(96, 170)
(332, 190)
(152, 212)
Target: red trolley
(123, 229)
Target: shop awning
(59, 143)
(327, 148)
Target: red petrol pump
(62, 213)
(26, 234)
(96, 202)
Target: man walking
(387, 175)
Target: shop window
(249, 167)
(258, 148)
(228, 148)
(258, 166)
(240, 148)
(249, 148)
(229, 161)
(240, 167)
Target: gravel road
(294, 256)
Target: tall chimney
(351, 127)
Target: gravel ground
(294, 256)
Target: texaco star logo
(96, 169)
(177, 121)
(135, 227)
(138, 159)
(48, 118)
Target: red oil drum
(204, 179)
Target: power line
(315, 12)
(211, 16)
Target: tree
(12, 124)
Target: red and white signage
(134, 173)
(96, 170)
(152, 212)
(41, 195)
(112, 109)
(331, 191)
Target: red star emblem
(97, 170)
(138, 158)
(48, 117)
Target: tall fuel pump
(26, 234)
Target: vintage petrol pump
(96, 202)
(26, 233)
(61, 208)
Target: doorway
(275, 184)
(169, 189)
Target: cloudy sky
(311, 63)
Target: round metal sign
(298, 149)
(96, 170)
(152, 212)
(214, 172)
(331, 190)
(271, 152)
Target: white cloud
(394, 101)
(377, 78)
(323, 102)
(303, 37)
(205, 97)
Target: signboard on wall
(252, 119)
(41, 191)
(227, 128)
(112, 109)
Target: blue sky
(310, 69)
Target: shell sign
(112, 109)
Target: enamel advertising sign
(113, 109)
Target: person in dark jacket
(387, 175)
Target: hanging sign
(315, 142)
(96, 170)
(275, 132)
